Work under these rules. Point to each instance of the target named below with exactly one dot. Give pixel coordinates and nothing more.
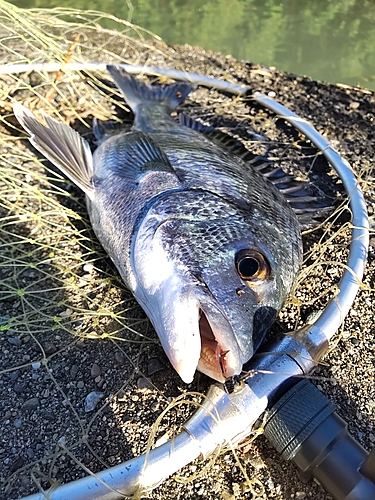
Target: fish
(208, 244)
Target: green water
(331, 40)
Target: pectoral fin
(60, 144)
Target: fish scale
(208, 246)
(238, 180)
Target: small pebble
(30, 404)
(121, 396)
(144, 383)
(95, 370)
(35, 79)
(49, 348)
(88, 268)
(354, 105)
(154, 366)
(81, 344)
(16, 341)
(92, 400)
(270, 484)
(19, 387)
(66, 313)
(16, 465)
(80, 384)
(300, 495)
(73, 371)
(17, 423)
(119, 357)
(14, 375)
(35, 366)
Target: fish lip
(221, 356)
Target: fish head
(213, 285)
(240, 296)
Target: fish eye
(252, 266)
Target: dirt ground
(68, 326)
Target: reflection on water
(332, 40)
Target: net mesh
(83, 377)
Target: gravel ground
(83, 376)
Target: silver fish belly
(208, 246)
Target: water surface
(331, 40)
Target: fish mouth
(219, 355)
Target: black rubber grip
(304, 427)
(295, 416)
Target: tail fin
(136, 91)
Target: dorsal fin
(60, 144)
(229, 142)
(190, 122)
(298, 193)
(307, 205)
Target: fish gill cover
(83, 377)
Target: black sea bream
(208, 246)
